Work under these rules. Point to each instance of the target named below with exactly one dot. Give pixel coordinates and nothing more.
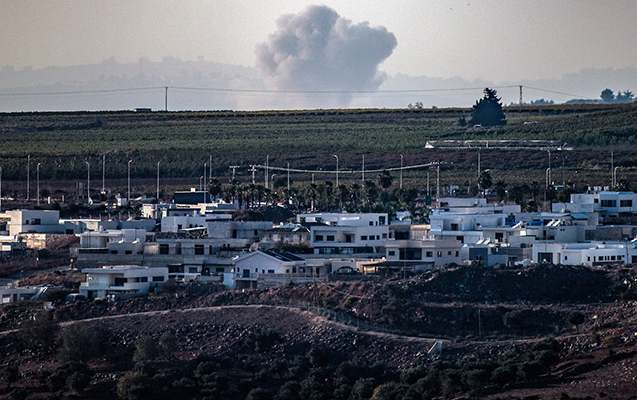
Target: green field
(183, 142)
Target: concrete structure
(290, 234)
(265, 268)
(121, 280)
(606, 203)
(425, 253)
(34, 221)
(594, 253)
(362, 234)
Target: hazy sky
(496, 40)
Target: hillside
(505, 334)
(184, 141)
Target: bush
(134, 386)
(80, 343)
(145, 349)
(258, 394)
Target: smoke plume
(318, 50)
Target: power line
(266, 91)
(556, 92)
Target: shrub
(134, 386)
(258, 394)
(80, 342)
(145, 349)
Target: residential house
(121, 280)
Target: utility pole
(267, 160)
(520, 94)
(234, 167)
(253, 169)
(438, 184)
(612, 167)
(166, 99)
(0, 188)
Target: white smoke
(317, 50)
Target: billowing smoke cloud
(317, 49)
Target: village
(196, 239)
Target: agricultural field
(183, 141)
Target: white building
(121, 280)
(34, 221)
(265, 268)
(362, 233)
(595, 253)
(424, 253)
(606, 203)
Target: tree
(576, 318)
(385, 179)
(488, 110)
(625, 97)
(485, 180)
(501, 189)
(622, 185)
(607, 96)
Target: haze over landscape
(373, 54)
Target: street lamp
(129, 161)
(103, 172)
(336, 169)
(549, 170)
(38, 175)
(88, 182)
(158, 182)
(615, 176)
(28, 173)
(288, 179)
(401, 171)
(201, 183)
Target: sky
(495, 40)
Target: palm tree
(501, 189)
(385, 179)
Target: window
(448, 253)
(371, 223)
(256, 232)
(120, 281)
(439, 254)
(384, 236)
(143, 279)
(330, 238)
(454, 227)
(158, 278)
(199, 249)
(192, 270)
(318, 238)
(128, 252)
(163, 249)
(391, 253)
(429, 254)
(457, 254)
(364, 237)
(270, 271)
(625, 203)
(113, 251)
(37, 221)
(179, 226)
(609, 203)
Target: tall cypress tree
(488, 110)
